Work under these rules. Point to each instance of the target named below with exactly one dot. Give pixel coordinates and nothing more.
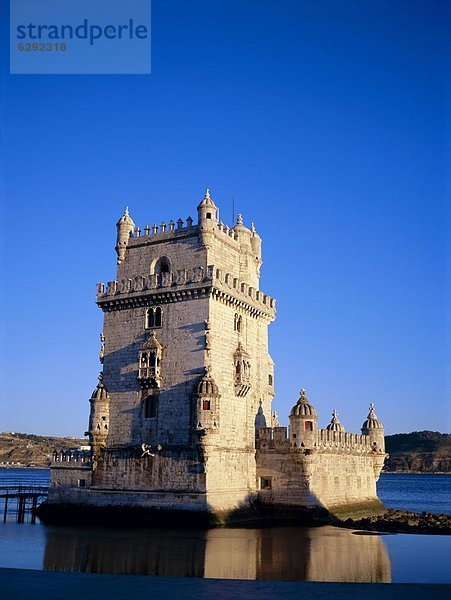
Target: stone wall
(327, 476)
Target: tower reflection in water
(295, 553)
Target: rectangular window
(308, 426)
(205, 404)
(82, 483)
(270, 379)
(151, 407)
(265, 483)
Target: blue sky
(326, 120)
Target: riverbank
(402, 521)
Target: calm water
(430, 493)
(290, 553)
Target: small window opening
(308, 426)
(294, 435)
(82, 483)
(208, 215)
(206, 404)
(151, 407)
(265, 483)
(270, 379)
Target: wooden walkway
(20, 499)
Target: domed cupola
(207, 385)
(303, 408)
(100, 392)
(206, 404)
(335, 424)
(372, 422)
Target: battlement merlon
(183, 285)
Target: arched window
(238, 325)
(163, 265)
(153, 317)
(150, 318)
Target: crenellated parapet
(224, 287)
(73, 457)
(162, 232)
(320, 440)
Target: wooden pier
(22, 498)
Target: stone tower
(181, 422)
(186, 367)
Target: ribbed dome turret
(207, 385)
(206, 201)
(303, 408)
(335, 424)
(100, 393)
(372, 422)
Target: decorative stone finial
(253, 227)
(100, 377)
(126, 212)
(207, 194)
(239, 219)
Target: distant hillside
(420, 451)
(28, 450)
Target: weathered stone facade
(179, 417)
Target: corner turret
(373, 428)
(250, 247)
(303, 422)
(99, 417)
(206, 210)
(206, 405)
(207, 221)
(125, 227)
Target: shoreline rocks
(402, 521)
